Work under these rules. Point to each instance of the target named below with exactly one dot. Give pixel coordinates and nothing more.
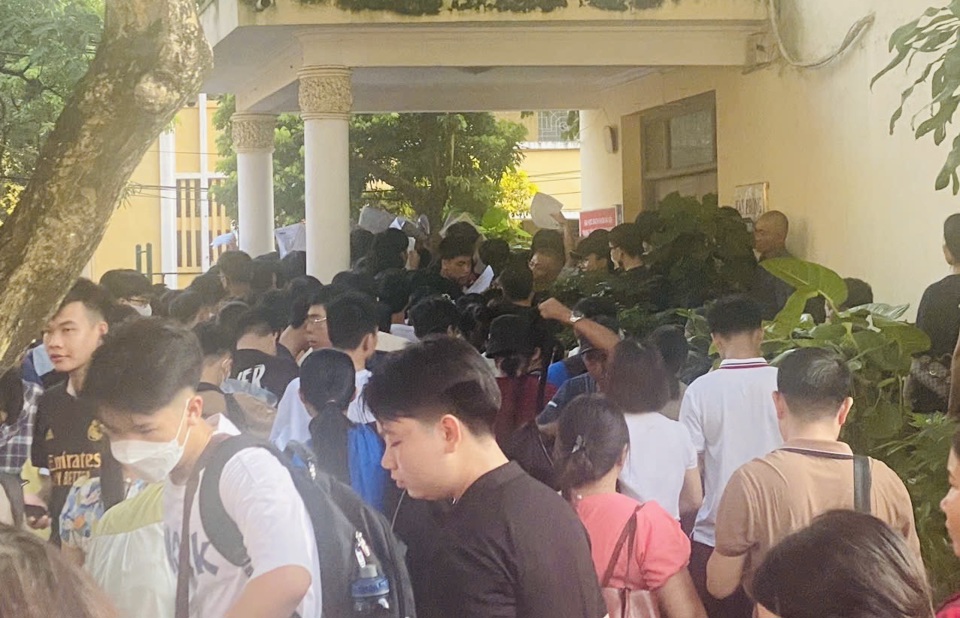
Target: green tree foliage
(428, 164)
(288, 187)
(931, 43)
(45, 48)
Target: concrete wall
(860, 201)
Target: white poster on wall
(751, 200)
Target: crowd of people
(209, 452)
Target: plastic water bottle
(370, 592)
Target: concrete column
(253, 140)
(326, 99)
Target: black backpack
(338, 514)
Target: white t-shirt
(259, 495)
(660, 454)
(732, 420)
(293, 420)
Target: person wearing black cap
(518, 346)
(598, 336)
(593, 253)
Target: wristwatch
(576, 316)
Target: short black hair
(302, 290)
(495, 253)
(257, 320)
(464, 230)
(125, 283)
(230, 314)
(293, 265)
(119, 313)
(551, 239)
(142, 365)
(389, 250)
(440, 375)
(185, 306)
(814, 382)
(628, 238)
(93, 297)
(951, 235)
(215, 340)
(453, 247)
(673, 346)
(359, 282)
(277, 305)
(516, 281)
(859, 293)
(326, 295)
(361, 241)
(236, 266)
(393, 289)
(434, 315)
(351, 317)
(264, 275)
(208, 286)
(733, 315)
(328, 380)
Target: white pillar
(253, 141)
(325, 103)
(169, 258)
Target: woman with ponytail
(327, 386)
(639, 551)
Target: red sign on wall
(602, 219)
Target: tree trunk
(151, 57)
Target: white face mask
(144, 310)
(151, 461)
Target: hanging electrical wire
(853, 34)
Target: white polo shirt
(731, 418)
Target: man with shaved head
(770, 241)
(770, 235)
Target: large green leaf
(809, 276)
(911, 339)
(788, 318)
(890, 312)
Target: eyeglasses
(316, 319)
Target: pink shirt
(661, 550)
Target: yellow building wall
(135, 221)
(554, 171)
(860, 201)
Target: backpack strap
(220, 528)
(12, 486)
(862, 484)
(183, 570)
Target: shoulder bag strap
(629, 534)
(862, 484)
(183, 570)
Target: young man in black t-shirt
(67, 440)
(509, 547)
(256, 360)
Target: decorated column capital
(253, 132)
(325, 92)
